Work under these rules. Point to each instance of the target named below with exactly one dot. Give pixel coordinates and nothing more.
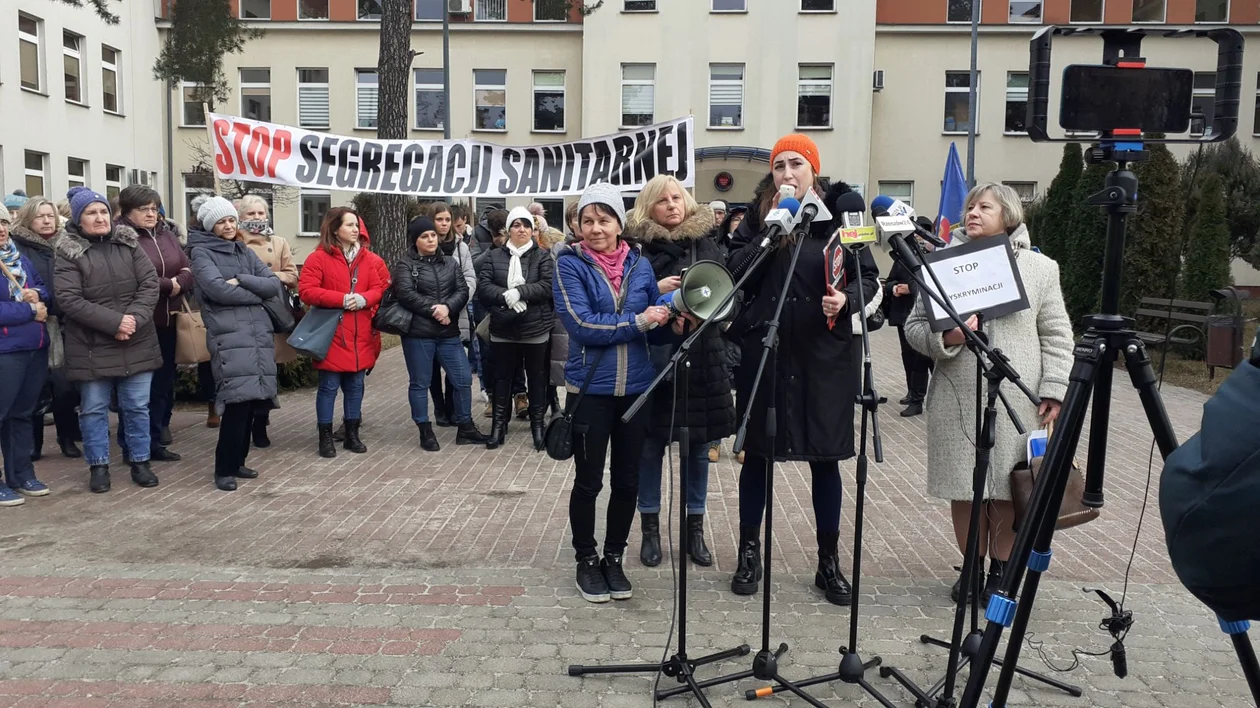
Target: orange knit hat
(798, 143)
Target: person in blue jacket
(23, 367)
(605, 294)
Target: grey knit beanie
(213, 210)
(606, 194)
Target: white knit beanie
(213, 210)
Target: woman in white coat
(1038, 342)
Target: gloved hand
(519, 306)
(511, 297)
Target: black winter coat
(420, 282)
(710, 411)
(897, 309)
(537, 319)
(816, 381)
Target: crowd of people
(95, 290)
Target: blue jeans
(351, 385)
(419, 353)
(696, 467)
(133, 415)
(22, 376)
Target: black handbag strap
(569, 410)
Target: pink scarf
(612, 263)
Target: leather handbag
(559, 433)
(282, 321)
(314, 334)
(190, 336)
(391, 317)
(1072, 512)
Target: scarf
(516, 274)
(258, 227)
(350, 254)
(612, 263)
(12, 259)
(448, 247)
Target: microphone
(813, 208)
(884, 205)
(853, 231)
(894, 216)
(782, 218)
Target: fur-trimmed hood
(70, 244)
(32, 240)
(692, 228)
(763, 196)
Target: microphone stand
(852, 669)
(962, 651)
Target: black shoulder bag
(559, 434)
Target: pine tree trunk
(389, 241)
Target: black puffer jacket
(710, 412)
(537, 266)
(420, 282)
(898, 309)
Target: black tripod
(1108, 334)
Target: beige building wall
(343, 48)
(119, 146)
(770, 40)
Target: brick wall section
(996, 12)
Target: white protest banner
(979, 276)
(278, 154)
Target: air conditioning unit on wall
(459, 7)
(878, 83)
(138, 177)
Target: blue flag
(953, 193)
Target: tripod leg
(1237, 632)
(1138, 362)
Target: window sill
(635, 127)
(313, 19)
(640, 12)
(549, 22)
(1086, 22)
(819, 12)
(728, 12)
(303, 234)
(368, 19)
(1211, 22)
(726, 128)
(37, 92)
(117, 114)
(536, 131)
(489, 20)
(1013, 133)
(489, 130)
(193, 127)
(430, 129)
(815, 127)
(255, 19)
(310, 127)
(80, 104)
(361, 129)
(1024, 22)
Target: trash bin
(1225, 331)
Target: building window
(1086, 11)
(1016, 102)
(640, 6)
(638, 94)
(551, 10)
(256, 94)
(957, 98)
(36, 170)
(430, 101)
(312, 9)
(958, 10)
(195, 183)
(1255, 128)
(313, 98)
(365, 89)
(1025, 11)
(813, 96)
(1027, 191)
(726, 95)
(1211, 11)
(109, 79)
(490, 10)
(1204, 102)
(72, 59)
(549, 101)
(430, 10)
(490, 99)
(903, 191)
(78, 171)
(553, 212)
(255, 9)
(28, 49)
(1148, 10)
(730, 5)
(113, 180)
(313, 207)
(369, 9)
(194, 115)
(818, 5)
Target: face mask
(255, 227)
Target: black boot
(994, 581)
(428, 441)
(260, 432)
(353, 443)
(468, 434)
(498, 428)
(227, 484)
(956, 591)
(553, 399)
(100, 478)
(914, 408)
(37, 438)
(326, 446)
(748, 568)
(695, 537)
(142, 475)
(829, 579)
(538, 426)
(650, 550)
(68, 448)
(440, 417)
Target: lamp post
(446, 71)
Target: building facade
(76, 99)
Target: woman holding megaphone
(672, 230)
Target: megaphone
(705, 286)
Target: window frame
(1008, 101)
(77, 55)
(358, 85)
(243, 85)
(41, 173)
(183, 101)
(115, 68)
(1162, 20)
(1228, 10)
(314, 84)
(327, 11)
(1197, 93)
(81, 180)
(191, 193)
(416, 87)
(945, 104)
(831, 95)
(240, 11)
(966, 21)
(302, 196)
(895, 194)
(636, 82)
(114, 184)
(1015, 184)
(415, 12)
(714, 11)
(358, 11)
(1041, 19)
(477, 6)
(478, 88)
(539, 3)
(1102, 14)
(564, 99)
(625, 6)
(37, 40)
(818, 12)
(743, 78)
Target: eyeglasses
(147, 210)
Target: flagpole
(973, 95)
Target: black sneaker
(618, 584)
(590, 580)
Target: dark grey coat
(239, 332)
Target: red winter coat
(325, 282)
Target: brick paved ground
(405, 578)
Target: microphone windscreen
(790, 204)
(925, 223)
(881, 204)
(850, 203)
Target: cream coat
(275, 253)
(1038, 342)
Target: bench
(1189, 320)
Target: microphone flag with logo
(953, 194)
